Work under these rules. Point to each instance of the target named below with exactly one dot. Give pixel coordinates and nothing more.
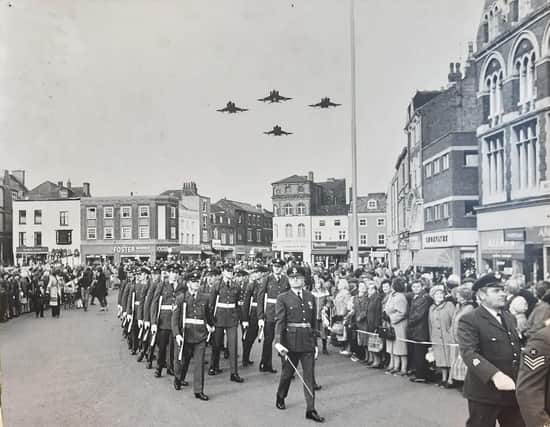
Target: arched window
(287, 209)
(301, 230)
(288, 230)
(524, 67)
(494, 79)
(300, 209)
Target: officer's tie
(300, 295)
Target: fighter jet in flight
(277, 131)
(231, 108)
(274, 97)
(325, 103)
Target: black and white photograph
(265, 213)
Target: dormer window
(63, 193)
(372, 204)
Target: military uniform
(250, 305)
(147, 318)
(198, 313)
(533, 385)
(272, 287)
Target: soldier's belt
(241, 302)
(137, 302)
(254, 304)
(298, 325)
(194, 321)
(225, 305)
(272, 300)
(166, 307)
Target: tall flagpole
(354, 217)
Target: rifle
(261, 333)
(180, 355)
(133, 310)
(215, 310)
(158, 315)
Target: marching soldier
(134, 308)
(149, 350)
(142, 287)
(490, 347)
(225, 296)
(274, 285)
(533, 385)
(251, 307)
(192, 321)
(296, 339)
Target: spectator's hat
(145, 270)
(296, 272)
(279, 263)
(490, 280)
(453, 280)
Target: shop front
(372, 253)
(291, 250)
(329, 253)
(26, 255)
(116, 253)
(537, 253)
(502, 251)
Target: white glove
(245, 324)
(210, 328)
(503, 382)
(261, 323)
(154, 328)
(147, 324)
(130, 318)
(119, 310)
(140, 323)
(316, 352)
(179, 339)
(281, 349)
(124, 315)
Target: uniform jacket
(124, 295)
(141, 292)
(196, 308)
(229, 293)
(149, 301)
(533, 384)
(488, 347)
(168, 293)
(251, 301)
(270, 288)
(289, 309)
(417, 326)
(130, 296)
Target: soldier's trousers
(165, 340)
(307, 360)
(251, 335)
(218, 346)
(486, 415)
(267, 349)
(190, 351)
(133, 338)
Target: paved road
(76, 371)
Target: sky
(123, 94)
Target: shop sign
(164, 249)
(329, 245)
(131, 249)
(538, 234)
(403, 235)
(206, 247)
(493, 242)
(31, 250)
(514, 235)
(437, 240)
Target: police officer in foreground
(533, 385)
(490, 348)
(296, 341)
(191, 327)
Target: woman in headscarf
(396, 310)
(440, 321)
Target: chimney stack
(20, 175)
(69, 184)
(86, 189)
(60, 183)
(455, 75)
(310, 176)
(259, 206)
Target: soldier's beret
(194, 276)
(279, 263)
(145, 270)
(490, 280)
(228, 266)
(296, 272)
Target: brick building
(513, 83)
(12, 187)
(372, 234)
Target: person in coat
(100, 289)
(396, 310)
(418, 329)
(53, 289)
(464, 304)
(359, 322)
(373, 320)
(321, 295)
(440, 320)
(490, 347)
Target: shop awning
(209, 253)
(190, 252)
(433, 258)
(330, 251)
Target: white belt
(194, 322)
(241, 302)
(272, 300)
(137, 302)
(254, 304)
(166, 307)
(224, 305)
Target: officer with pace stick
(250, 307)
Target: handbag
(387, 333)
(375, 344)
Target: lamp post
(354, 217)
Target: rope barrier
(407, 340)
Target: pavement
(77, 371)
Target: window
(300, 189)
(144, 211)
(173, 212)
(287, 209)
(126, 211)
(229, 220)
(363, 222)
(22, 238)
(204, 220)
(91, 213)
(382, 239)
(288, 230)
(38, 217)
(471, 158)
(91, 233)
(429, 214)
(223, 238)
(493, 164)
(337, 222)
(240, 219)
(173, 234)
(288, 188)
(64, 237)
(231, 239)
(363, 239)
(204, 205)
(205, 235)
(437, 212)
(126, 233)
(276, 231)
(108, 233)
(108, 212)
(321, 223)
(63, 218)
(258, 236)
(317, 236)
(445, 207)
(301, 209)
(372, 204)
(22, 217)
(525, 69)
(37, 238)
(275, 210)
(445, 162)
(469, 207)
(436, 166)
(494, 86)
(342, 235)
(277, 190)
(143, 232)
(428, 170)
(301, 230)
(381, 222)
(525, 157)
(249, 235)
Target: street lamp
(354, 217)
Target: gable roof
(363, 201)
(49, 190)
(293, 179)
(172, 193)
